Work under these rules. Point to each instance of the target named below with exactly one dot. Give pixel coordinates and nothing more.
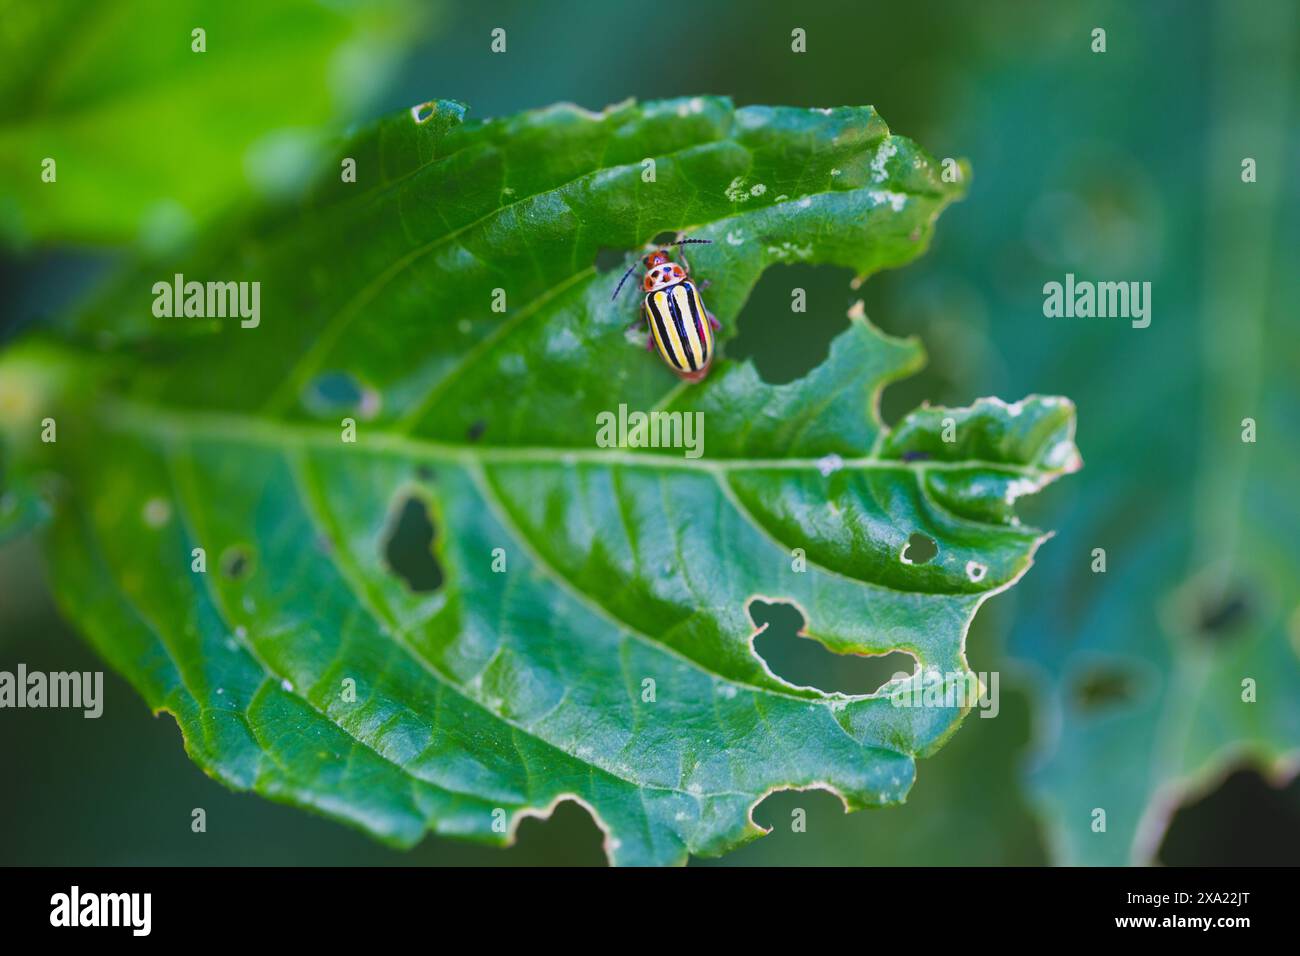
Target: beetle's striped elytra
(680, 327)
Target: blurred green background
(1122, 165)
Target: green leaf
(965, 811)
(152, 139)
(609, 660)
(1236, 619)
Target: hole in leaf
(237, 562)
(425, 474)
(335, 393)
(607, 260)
(784, 344)
(807, 662)
(1103, 688)
(568, 837)
(776, 810)
(1245, 822)
(663, 238)
(1224, 613)
(919, 549)
(408, 547)
(476, 430)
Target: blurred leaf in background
(1127, 165)
(150, 138)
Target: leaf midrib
(166, 424)
(471, 460)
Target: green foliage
(152, 139)
(610, 660)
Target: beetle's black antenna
(621, 281)
(679, 242)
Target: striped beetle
(681, 328)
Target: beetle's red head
(661, 272)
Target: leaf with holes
(429, 598)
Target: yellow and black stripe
(681, 326)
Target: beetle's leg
(712, 321)
(644, 321)
(703, 284)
